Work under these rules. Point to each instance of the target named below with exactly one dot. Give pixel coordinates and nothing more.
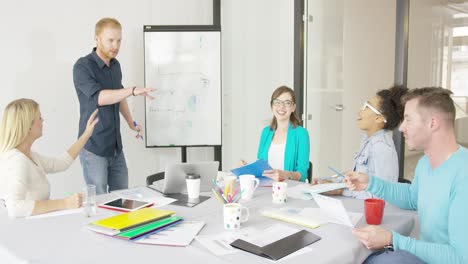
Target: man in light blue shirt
(439, 191)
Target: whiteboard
(185, 68)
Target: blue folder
(256, 168)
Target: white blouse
(22, 181)
(276, 156)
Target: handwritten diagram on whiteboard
(185, 68)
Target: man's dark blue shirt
(90, 76)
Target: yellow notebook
(293, 217)
(134, 218)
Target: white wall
(41, 40)
(350, 56)
(369, 59)
(257, 49)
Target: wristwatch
(389, 247)
(290, 176)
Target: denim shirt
(90, 76)
(376, 157)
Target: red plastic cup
(374, 209)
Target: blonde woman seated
(23, 183)
(284, 143)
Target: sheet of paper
(57, 213)
(271, 234)
(144, 194)
(178, 235)
(298, 192)
(219, 244)
(324, 187)
(334, 209)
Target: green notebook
(149, 228)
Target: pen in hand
(338, 175)
(135, 125)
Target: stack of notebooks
(136, 224)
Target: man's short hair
(435, 98)
(107, 22)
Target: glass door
(350, 54)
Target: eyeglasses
(286, 103)
(373, 109)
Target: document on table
(335, 212)
(144, 194)
(56, 213)
(274, 234)
(324, 187)
(298, 192)
(180, 235)
(219, 244)
(331, 211)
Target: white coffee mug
(279, 192)
(248, 185)
(234, 215)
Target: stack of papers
(324, 187)
(305, 191)
(150, 228)
(180, 235)
(117, 224)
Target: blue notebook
(256, 168)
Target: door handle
(338, 107)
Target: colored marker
(337, 172)
(217, 196)
(135, 124)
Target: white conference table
(64, 239)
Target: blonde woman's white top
(24, 181)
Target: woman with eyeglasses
(284, 143)
(23, 173)
(377, 155)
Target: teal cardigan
(296, 154)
